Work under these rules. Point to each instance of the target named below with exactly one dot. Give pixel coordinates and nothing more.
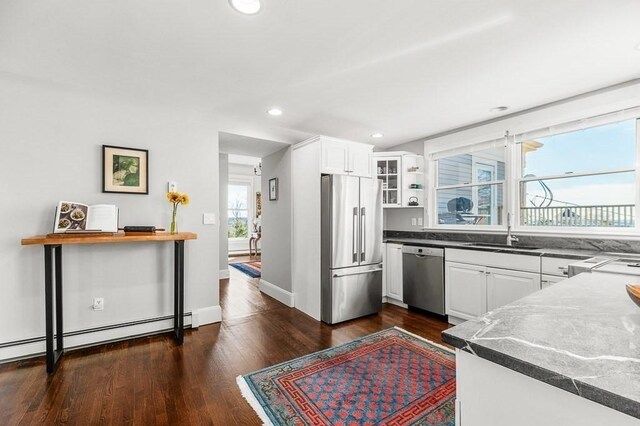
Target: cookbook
(74, 217)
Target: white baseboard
(393, 301)
(224, 273)
(208, 315)
(277, 293)
(37, 347)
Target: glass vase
(174, 222)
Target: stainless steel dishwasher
(423, 278)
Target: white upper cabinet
(360, 159)
(345, 158)
(402, 176)
(335, 157)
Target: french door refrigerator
(351, 247)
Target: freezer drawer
(351, 293)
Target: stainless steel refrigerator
(351, 247)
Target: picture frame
(125, 170)
(273, 189)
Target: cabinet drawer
(520, 262)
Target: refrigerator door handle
(354, 237)
(368, 271)
(363, 233)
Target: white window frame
(513, 179)
(432, 214)
(518, 179)
(242, 244)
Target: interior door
(345, 216)
(370, 221)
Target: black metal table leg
(53, 355)
(178, 291)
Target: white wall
(223, 174)
(51, 141)
(276, 221)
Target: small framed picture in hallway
(273, 189)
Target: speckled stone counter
(547, 252)
(581, 335)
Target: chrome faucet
(510, 237)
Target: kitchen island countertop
(581, 335)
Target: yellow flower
(177, 198)
(173, 197)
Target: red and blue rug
(388, 378)
(253, 269)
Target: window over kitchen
(579, 178)
(470, 187)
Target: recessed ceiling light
(377, 135)
(499, 109)
(275, 111)
(248, 7)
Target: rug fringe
(252, 401)
(425, 340)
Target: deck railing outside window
(619, 216)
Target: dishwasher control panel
(423, 251)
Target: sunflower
(174, 197)
(184, 199)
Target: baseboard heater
(93, 330)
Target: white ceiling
(241, 145)
(406, 68)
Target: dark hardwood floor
(152, 381)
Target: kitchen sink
(504, 246)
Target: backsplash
(613, 246)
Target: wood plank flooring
(152, 381)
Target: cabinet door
(465, 290)
(387, 169)
(505, 286)
(360, 160)
(549, 280)
(335, 157)
(394, 271)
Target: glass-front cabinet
(402, 175)
(388, 170)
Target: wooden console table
(53, 276)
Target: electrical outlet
(419, 221)
(98, 304)
(414, 221)
(173, 186)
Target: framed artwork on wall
(125, 170)
(273, 189)
(258, 204)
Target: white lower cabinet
(393, 271)
(472, 290)
(505, 286)
(465, 290)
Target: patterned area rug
(388, 378)
(253, 269)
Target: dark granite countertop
(581, 335)
(547, 252)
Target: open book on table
(73, 217)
